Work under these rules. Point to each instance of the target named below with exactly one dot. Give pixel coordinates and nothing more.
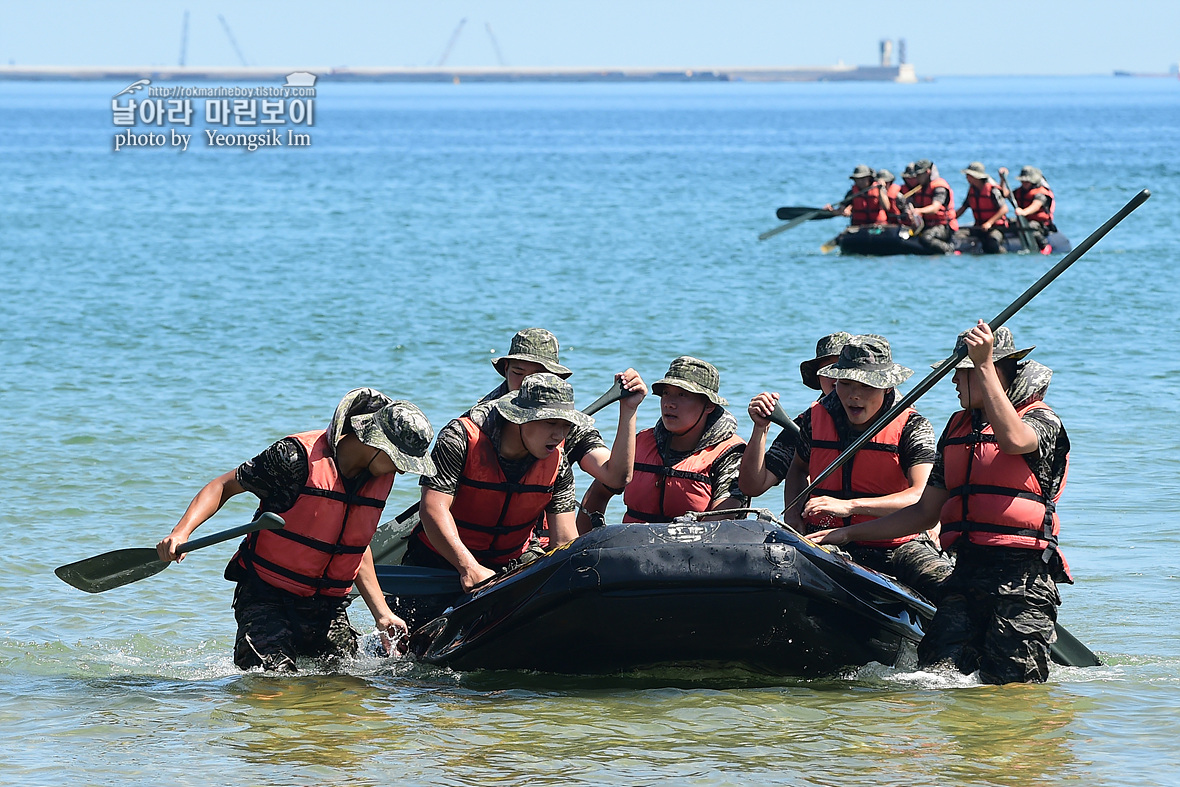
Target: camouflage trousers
(996, 615)
(992, 241)
(274, 627)
(936, 237)
(917, 563)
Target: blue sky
(948, 38)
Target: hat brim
(369, 432)
(689, 386)
(517, 414)
(874, 378)
(501, 364)
(967, 363)
(808, 370)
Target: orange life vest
(893, 215)
(327, 532)
(984, 204)
(875, 470)
(658, 493)
(945, 214)
(867, 208)
(1025, 196)
(994, 497)
(495, 518)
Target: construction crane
(442, 61)
(184, 40)
(495, 43)
(229, 34)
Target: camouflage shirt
(580, 442)
(277, 476)
(719, 426)
(916, 446)
(450, 456)
(1048, 461)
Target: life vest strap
(506, 486)
(837, 445)
(494, 529)
(347, 499)
(1002, 491)
(319, 583)
(321, 546)
(981, 527)
(671, 472)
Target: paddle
(808, 216)
(960, 352)
(1027, 237)
(392, 535)
(780, 417)
(124, 566)
(786, 214)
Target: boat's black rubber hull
(627, 598)
(878, 241)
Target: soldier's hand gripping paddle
(124, 566)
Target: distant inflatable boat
(736, 593)
(883, 240)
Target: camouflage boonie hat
(922, 166)
(541, 397)
(861, 171)
(1031, 175)
(402, 431)
(1003, 346)
(909, 172)
(976, 170)
(867, 359)
(693, 375)
(825, 348)
(885, 176)
(535, 345)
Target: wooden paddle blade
(111, 570)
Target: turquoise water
(167, 315)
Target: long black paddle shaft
(961, 352)
(1022, 229)
(808, 216)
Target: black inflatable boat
(882, 240)
(737, 593)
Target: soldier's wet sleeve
(1048, 462)
(781, 452)
(276, 476)
(582, 441)
(563, 491)
(725, 475)
(918, 445)
(938, 472)
(449, 455)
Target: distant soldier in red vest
(1002, 465)
(868, 199)
(934, 204)
(1035, 202)
(989, 208)
(330, 487)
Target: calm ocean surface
(167, 315)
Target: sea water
(165, 315)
